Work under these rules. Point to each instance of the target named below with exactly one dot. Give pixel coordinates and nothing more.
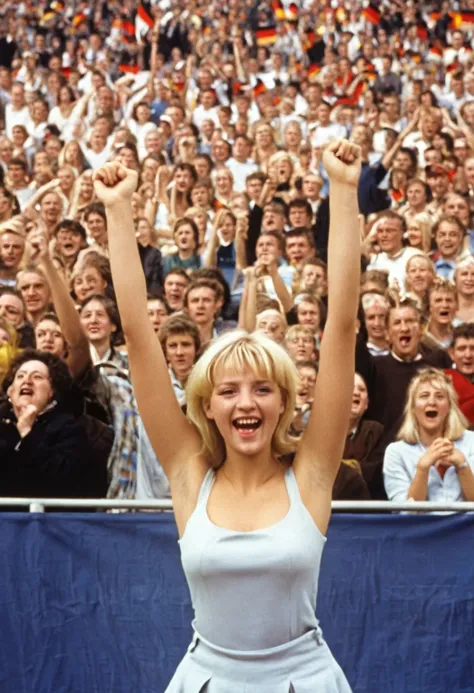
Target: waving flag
(143, 22)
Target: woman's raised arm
(320, 451)
(172, 436)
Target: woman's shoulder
(467, 439)
(400, 447)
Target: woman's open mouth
(246, 426)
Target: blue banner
(98, 603)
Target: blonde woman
(224, 182)
(265, 145)
(250, 525)
(433, 458)
(420, 275)
(464, 281)
(419, 232)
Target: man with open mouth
(388, 377)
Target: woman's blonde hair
(425, 222)
(455, 424)
(238, 351)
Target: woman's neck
(465, 303)
(247, 473)
(101, 347)
(428, 437)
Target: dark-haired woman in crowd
(43, 443)
(101, 323)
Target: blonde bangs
(456, 423)
(235, 353)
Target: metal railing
(39, 505)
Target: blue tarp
(98, 603)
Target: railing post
(36, 507)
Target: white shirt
(240, 171)
(395, 266)
(201, 114)
(12, 118)
(321, 135)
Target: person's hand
(273, 176)
(249, 274)
(113, 183)
(456, 458)
(39, 245)
(242, 227)
(26, 418)
(412, 125)
(342, 161)
(16, 224)
(260, 269)
(439, 451)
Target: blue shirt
(399, 468)
(445, 268)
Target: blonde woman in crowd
(420, 274)
(419, 232)
(433, 458)
(464, 281)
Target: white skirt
(304, 665)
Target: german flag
(371, 14)
(236, 88)
(79, 19)
(341, 16)
(453, 67)
(435, 54)
(311, 39)
(129, 69)
(266, 36)
(278, 10)
(313, 70)
(345, 101)
(219, 205)
(127, 29)
(435, 16)
(422, 31)
(259, 89)
(463, 21)
(66, 72)
(292, 12)
(47, 17)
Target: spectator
(44, 447)
(186, 237)
(362, 441)
(449, 235)
(433, 458)
(442, 309)
(12, 249)
(376, 309)
(464, 281)
(393, 256)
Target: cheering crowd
(224, 110)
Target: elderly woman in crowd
(433, 458)
(43, 444)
